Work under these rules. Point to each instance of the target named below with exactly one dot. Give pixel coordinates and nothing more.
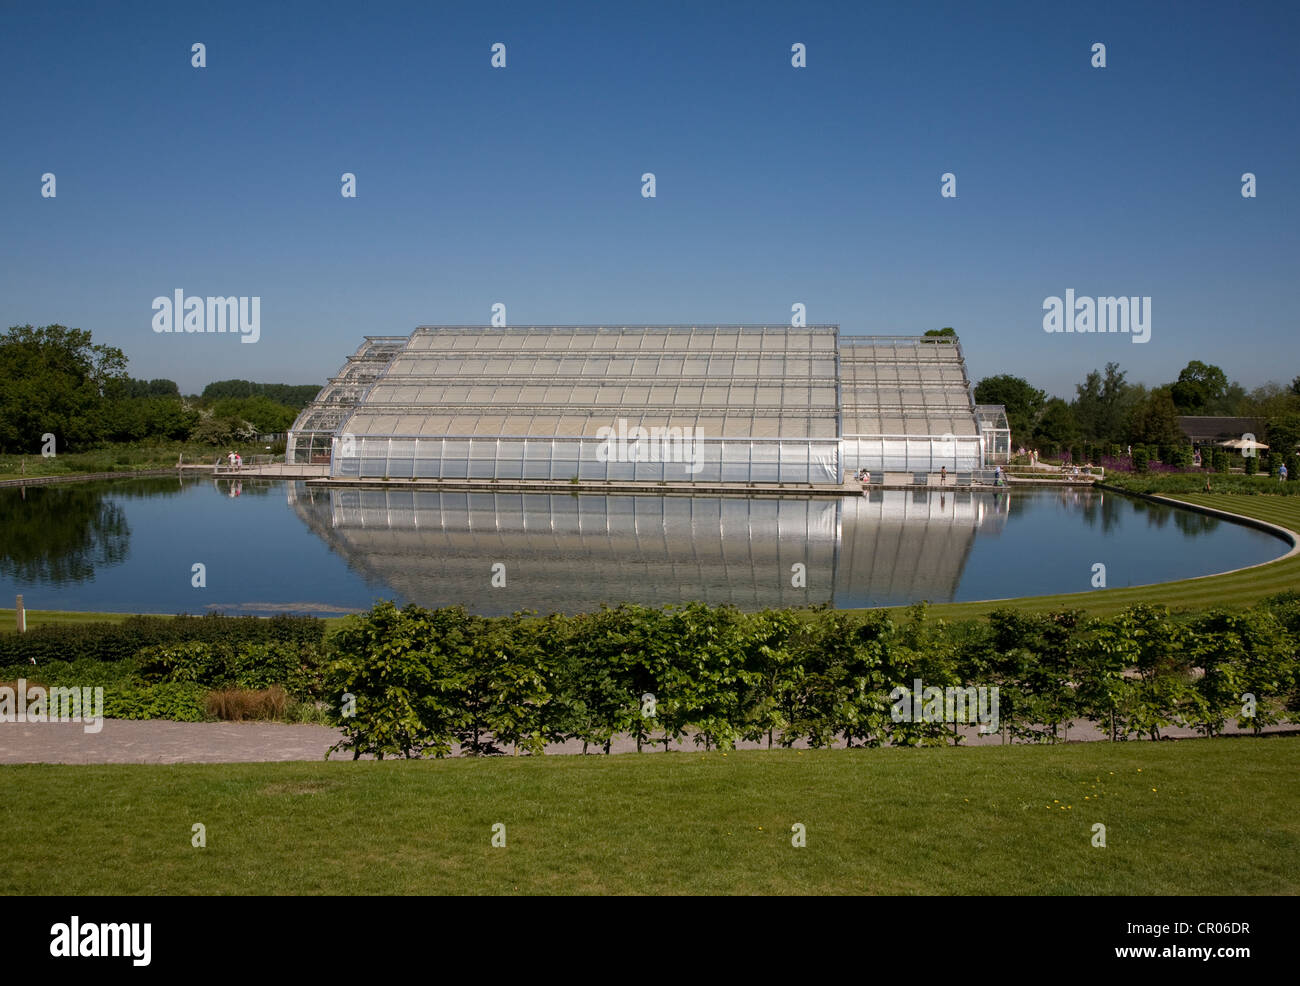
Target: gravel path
(159, 741)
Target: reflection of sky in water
(130, 545)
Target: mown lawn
(1234, 589)
(125, 458)
(1194, 817)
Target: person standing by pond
(943, 475)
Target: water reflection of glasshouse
(573, 553)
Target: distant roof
(1208, 427)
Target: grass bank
(114, 458)
(993, 820)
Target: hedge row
(189, 682)
(122, 641)
(414, 682)
(180, 681)
(1195, 483)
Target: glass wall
(731, 461)
(679, 403)
(884, 454)
(715, 404)
(907, 405)
(995, 432)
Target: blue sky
(775, 185)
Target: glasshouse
(662, 403)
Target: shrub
(121, 641)
(402, 670)
(250, 666)
(1194, 482)
(307, 713)
(260, 666)
(423, 681)
(193, 662)
(1141, 458)
(181, 702)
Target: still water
(265, 547)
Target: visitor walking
(943, 475)
(1281, 474)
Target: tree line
(56, 380)
(1109, 414)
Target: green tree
(1023, 402)
(1232, 404)
(1199, 387)
(53, 380)
(295, 396)
(262, 414)
(1057, 427)
(1282, 435)
(131, 387)
(401, 668)
(1101, 405)
(1155, 420)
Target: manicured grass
(116, 458)
(37, 617)
(1234, 589)
(1196, 817)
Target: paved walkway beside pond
(161, 742)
